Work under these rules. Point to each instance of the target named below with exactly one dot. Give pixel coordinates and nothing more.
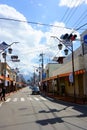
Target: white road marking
(43, 98)
(30, 99)
(22, 99)
(15, 100)
(1, 104)
(36, 98)
(7, 100)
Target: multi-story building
(7, 76)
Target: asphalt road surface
(24, 111)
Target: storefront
(61, 85)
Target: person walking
(0, 92)
(3, 93)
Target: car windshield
(36, 88)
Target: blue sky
(33, 38)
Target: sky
(33, 22)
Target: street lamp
(14, 58)
(4, 54)
(4, 46)
(67, 40)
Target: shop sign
(71, 78)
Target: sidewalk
(79, 100)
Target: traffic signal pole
(67, 40)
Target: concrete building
(50, 67)
(8, 77)
(59, 80)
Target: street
(24, 111)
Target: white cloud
(72, 3)
(7, 11)
(29, 39)
(32, 42)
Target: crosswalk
(22, 99)
(15, 100)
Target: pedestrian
(0, 92)
(3, 93)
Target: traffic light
(65, 36)
(69, 37)
(73, 37)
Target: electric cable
(80, 19)
(66, 12)
(72, 13)
(42, 23)
(37, 23)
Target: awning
(50, 78)
(5, 78)
(8, 79)
(82, 71)
(1, 77)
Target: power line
(66, 12)
(37, 23)
(43, 23)
(80, 19)
(72, 13)
(81, 26)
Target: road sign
(71, 77)
(85, 38)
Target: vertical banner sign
(85, 44)
(71, 78)
(85, 38)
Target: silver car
(35, 90)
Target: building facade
(7, 77)
(59, 82)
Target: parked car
(35, 90)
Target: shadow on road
(50, 121)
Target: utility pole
(35, 76)
(42, 64)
